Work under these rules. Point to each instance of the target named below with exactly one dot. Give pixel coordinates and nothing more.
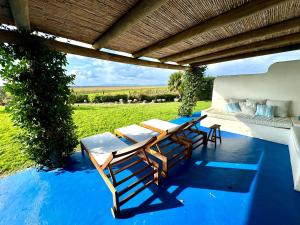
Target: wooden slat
(20, 12)
(132, 175)
(14, 37)
(137, 191)
(261, 45)
(129, 187)
(174, 163)
(127, 166)
(234, 41)
(251, 54)
(233, 15)
(171, 151)
(133, 16)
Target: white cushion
(101, 145)
(235, 100)
(248, 108)
(160, 124)
(258, 120)
(257, 101)
(281, 107)
(137, 133)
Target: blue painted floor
(243, 181)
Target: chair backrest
(135, 147)
(170, 132)
(195, 121)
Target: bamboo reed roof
(88, 20)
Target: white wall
(281, 82)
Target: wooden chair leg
(115, 210)
(220, 135)
(209, 134)
(164, 171)
(215, 137)
(82, 149)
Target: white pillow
(248, 108)
(235, 100)
(257, 101)
(281, 107)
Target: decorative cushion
(265, 111)
(257, 101)
(233, 107)
(281, 108)
(248, 108)
(235, 100)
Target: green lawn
(90, 119)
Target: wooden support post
(233, 15)
(14, 37)
(257, 46)
(231, 42)
(133, 16)
(20, 12)
(251, 54)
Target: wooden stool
(212, 136)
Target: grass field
(90, 119)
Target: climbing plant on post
(192, 79)
(36, 78)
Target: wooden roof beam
(218, 21)
(133, 16)
(20, 12)
(14, 37)
(234, 41)
(250, 54)
(257, 46)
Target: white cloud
(94, 72)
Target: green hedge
(98, 98)
(109, 98)
(75, 98)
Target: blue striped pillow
(265, 110)
(233, 107)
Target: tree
(40, 105)
(192, 80)
(3, 96)
(175, 82)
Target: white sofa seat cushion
(136, 132)
(101, 145)
(258, 120)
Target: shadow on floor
(191, 174)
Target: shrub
(206, 88)
(192, 80)
(78, 98)
(109, 98)
(3, 96)
(35, 77)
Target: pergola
(185, 32)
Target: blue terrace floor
(243, 181)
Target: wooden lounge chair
(168, 147)
(189, 132)
(112, 156)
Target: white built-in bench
(294, 148)
(281, 82)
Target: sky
(96, 72)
